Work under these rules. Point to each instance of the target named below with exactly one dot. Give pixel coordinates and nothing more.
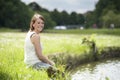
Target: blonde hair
(34, 18)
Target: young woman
(33, 49)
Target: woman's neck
(35, 31)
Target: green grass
(9, 30)
(87, 31)
(12, 66)
(11, 59)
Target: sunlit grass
(12, 51)
(86, 31)
(11, 59)
(71, 43)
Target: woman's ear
(33, 25)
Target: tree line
(58, 18)
(106, 12)
(16, 15)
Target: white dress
(30, 57)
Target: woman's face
(38, 25)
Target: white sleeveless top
(30, 57)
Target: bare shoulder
(35, 38)
(35, 35)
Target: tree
(35, 7)
(64, 18)
(103, 7)
(73, 18)
(14, 14)
(49, 23)
(111, 18)
(89, 19)
(80, 19)
(56, 16)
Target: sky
(79, 6)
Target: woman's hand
(52, 63)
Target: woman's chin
(40, 31)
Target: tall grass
(11, 59)
(12, 66)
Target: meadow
(54, 42)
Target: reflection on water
(98, 71)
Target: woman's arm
(36, 42)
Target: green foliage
(49, 23)
(106, 12)
(55, 15)
(65, 18)
(111, 18)
(80, 19)
(89, 19)
(73, 17)
(14, 14)
(58, 18)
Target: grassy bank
(12, 66)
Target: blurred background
(61, 14)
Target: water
(102, 70)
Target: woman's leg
(41, 65)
